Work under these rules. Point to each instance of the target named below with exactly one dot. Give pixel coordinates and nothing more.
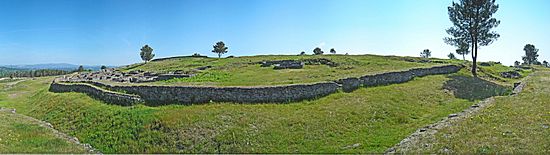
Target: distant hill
(55, 66)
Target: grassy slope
(239, 71)
(513, 124)
(21, 135)
(371, 118)
(493, 73)
(375, 118)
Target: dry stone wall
(351, 84)
(98, 93)
(162, 95)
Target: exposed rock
(283, 64)
(204, 68)
(320, 61)
(510, 74)
(424, 61)
(409, 59)
(179, 72)
(289, 65)
(524, 67)
(352, 146)
(453, 115)
(485, 64)
(265, 64)
(295, 64)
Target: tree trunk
(219, 55)
(474, 58)
(463, 57)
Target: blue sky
(111, 32)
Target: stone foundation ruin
(297, 64)
(162, 95)
(112, 75)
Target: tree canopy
(426, 53)
(146, 53)
(220, 49)
(451, 56)
(332, 51)
(472, 24)
(531, 54)
(463, 50)
(317, 51)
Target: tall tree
(531, 54)
(472, 24)
(426, 53)
(146, 53)
(317, 51)
(332, 51)
(220, 49)
(451, 56)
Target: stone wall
(98, 93)
(162, 95)
(351, 84)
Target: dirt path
(427, 133)
(57, 133)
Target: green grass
(20, 135)
(493, 73)
(368, 120)
(375, 118)
(242, 71)
(512, 124)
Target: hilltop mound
(367, 120)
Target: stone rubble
(510, 74)
(297, 64)
(135, 76)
